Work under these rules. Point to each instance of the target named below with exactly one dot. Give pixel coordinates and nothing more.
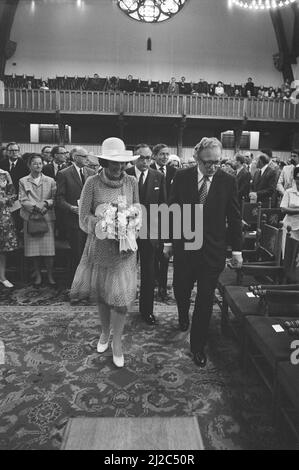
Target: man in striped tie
(216, 191)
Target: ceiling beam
(7, 14)
(286, 57)
(295, 42)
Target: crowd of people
(133, 85)
(55, 194)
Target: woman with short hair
(37, 195)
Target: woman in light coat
(37, 196)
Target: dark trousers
(189, 269)
(76, 238)
(161, 267)
(18, 221)
(147, 274)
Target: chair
(52, 83)
(251, 220)
(8, 81)
(268, 299)
(60, 83)
(272, 216)
(260, 263)
(284, 297)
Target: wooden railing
(148, 104)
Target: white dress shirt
(200, 177)
(138, 174)
(12, 163)
(158, 167)
(78, 170)
(291, 200)
(55, 168)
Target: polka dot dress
(104, 274)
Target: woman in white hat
(104, 274)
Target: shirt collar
(200, 176)
(264, 168)
(159, 166)
(77, 168)
(138, 173)
(36, 181)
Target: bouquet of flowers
(120, 222)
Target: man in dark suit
(264, 181)
(243, 178)
(14, 164)
(160, 156)
(152, 190)
(70, 182)
(216, 190)
(58, 155)
(46, 154)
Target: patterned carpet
(53, 372)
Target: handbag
(37, 225)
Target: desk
(266, 348)
(288, 397)
(241, 305)
(133, 434)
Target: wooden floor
(133, 434)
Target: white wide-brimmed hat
(114, 149)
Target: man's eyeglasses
(210, 163)
(145, 158)
(13, 150)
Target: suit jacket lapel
(149, 185)
(214, 189)
(265, 172)
(240, 174)
(76, 176)
(193, 187)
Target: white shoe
(7, 284)
(102, 347)
(118, 361)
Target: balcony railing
(148, 104)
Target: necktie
(258, 178)
(141, 183)
(203, 191)
(82, 176)
(12, 167)
(162, 170)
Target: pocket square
(156, 188)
